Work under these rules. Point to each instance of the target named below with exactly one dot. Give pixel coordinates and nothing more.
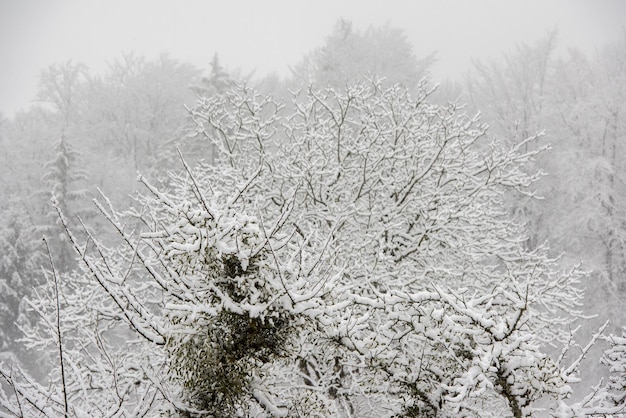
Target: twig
(197, 191)
(58, 326)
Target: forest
(356, 239)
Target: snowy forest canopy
(353, 240)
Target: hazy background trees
(576, 101)
(349, 54)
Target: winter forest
(357, 239)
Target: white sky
(270, 35)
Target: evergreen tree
(20, 256)
(219, 80)
(64, 185)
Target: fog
(272, 36)
(330, 209)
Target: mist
(349, 209)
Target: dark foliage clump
(217, 360)
(216, 367)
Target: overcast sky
(271, 35)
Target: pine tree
(20, 255)
(218, 82)
(64, 187)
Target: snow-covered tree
(60, 92)
(19, 256)
(64, 182)
(27, 144)
(138, 106)
(579, 101)
(353, 257)
(27, 141)
(605, 400)
(513, 93)
(615, 359)
(612, 80)
(59, 88)
(218, 82)
(194, 146)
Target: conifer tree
(64, 182)
(20, 255)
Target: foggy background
(270, 36)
